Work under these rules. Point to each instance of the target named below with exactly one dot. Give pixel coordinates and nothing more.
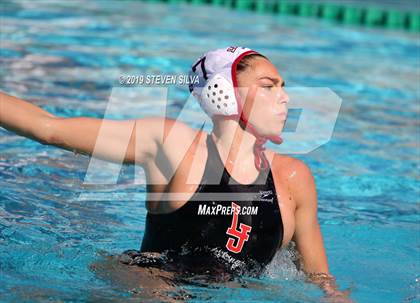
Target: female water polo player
(226, 203)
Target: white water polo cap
(217, 92)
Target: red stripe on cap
(235, 80)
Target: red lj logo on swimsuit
(241, 235)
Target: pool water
(66, 56)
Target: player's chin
(280, 122)
(275, 128)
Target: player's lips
(283, 115)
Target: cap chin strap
(260, 160)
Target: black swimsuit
(218, 238)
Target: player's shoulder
(298, 177)
(290, 167)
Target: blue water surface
(66, 56)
